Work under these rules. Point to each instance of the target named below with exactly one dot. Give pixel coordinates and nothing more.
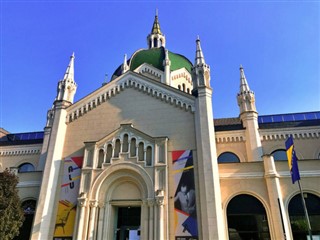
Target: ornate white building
(143, 158)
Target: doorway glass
(128, 223)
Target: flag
(292, 160)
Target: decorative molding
(27, 184)
(16, 151)
(230, 136)
(281, 174)
(247, 175)
(129, 81)
(305, 133)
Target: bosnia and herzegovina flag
(292, 160)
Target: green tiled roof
(155, 57)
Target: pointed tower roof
(156, 39)
(199, 54)
(69, 75)
(156, 25)
(244, 87)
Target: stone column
(160, 219)
(92, 219)
(278, 212)
(100, 221)
(151, 219)
(79, 226)
(144, 220)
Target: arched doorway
(28, 207)
(247, 219)
(297, 217)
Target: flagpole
(305, 211)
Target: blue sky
(277, 42)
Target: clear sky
(277, 42)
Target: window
(26, 167)
(247, 218)
(117, 149)
(125, 144)
(297, 218)
(228, 157)
(149, 156)
(101, 158)
(109, 153)
(133, 147)
(141, 151)
(279, 155)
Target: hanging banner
(185, 213)
(68, 198)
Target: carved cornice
(129, 81)
(283, 134)
(21, 150)
(230, 136)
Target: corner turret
(249, 118)
(67, 86)
(200, 70)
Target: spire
(244, 87)
(156, 39)
(156, 25)
(167, 64)
(69, 75)
(246, 98)
(67, 86)
(200, 70)
(124, 67)
(199, 55)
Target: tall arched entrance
(28, 207)
(122, 204)
(247, 219)
(297, 217)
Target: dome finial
(156, 39)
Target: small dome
(155, 57)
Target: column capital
(160, 200)
(93, 203)
(150, 202)
(82, 202)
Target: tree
(11, 213)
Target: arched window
(149, 156)
(109, 153)
(141, 151)
(29, 207)
(125, 144)
(247, 218)
(101, 158)
(179, 87)
(133, 147)
(26, 167)
(155, 42)
(279, 155)
(117, 149)
(297, 218)
(183, 87)
(228, 157)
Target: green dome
(155, 57)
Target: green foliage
(11, 213)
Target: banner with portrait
(185, 212)
(68, 198)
